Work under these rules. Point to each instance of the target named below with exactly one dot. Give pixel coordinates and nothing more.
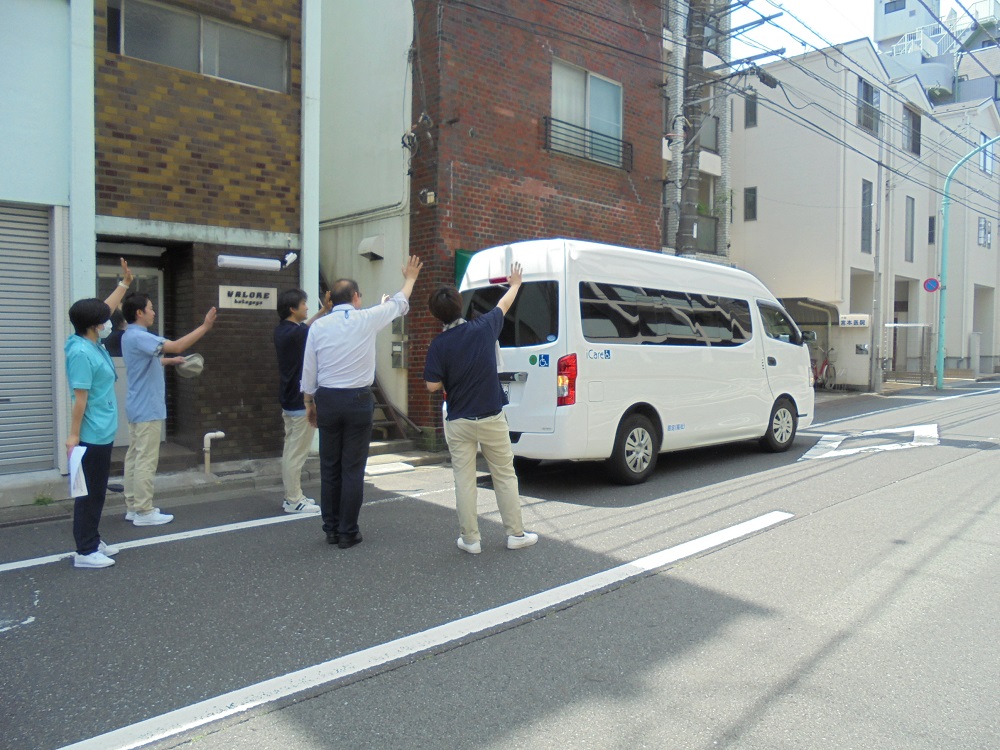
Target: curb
(193, 485)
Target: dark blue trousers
(344, 418)
(87, 509)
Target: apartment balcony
(566, 138)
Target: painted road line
(195, 533)
(922, 402)
(409, 647)
(829, 445)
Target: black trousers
(344, 418)
(87, 509)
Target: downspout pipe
(209, 437)
(945, 214)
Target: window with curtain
(589, 102)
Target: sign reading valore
(248, 298)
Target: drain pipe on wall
(209, 437)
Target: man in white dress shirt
(337, 375)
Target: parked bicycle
(825, 374)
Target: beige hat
(192, 366)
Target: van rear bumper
(568, 439)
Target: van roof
(606, 261)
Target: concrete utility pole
(695, 80)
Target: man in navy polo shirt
(462, 362)
(290, 346)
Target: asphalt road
(865, 619)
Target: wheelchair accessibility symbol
(543, 360)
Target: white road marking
(829, 445)
(408, 647)
(821, 425)
(180, 536)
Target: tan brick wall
(177, 146)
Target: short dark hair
(133, 304)
(289, 300)
(343, 291)
(86, 313)
(446, 304)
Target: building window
(986, 155)
(750, 204)
(867, 193)
(750, 111)
(985, 233)
(911, 131)
(893, 5)
(868, 106)
(190, 41)
(911, 213)
(668, 117)
(592, 104)
(931, 230)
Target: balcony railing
(567, 138)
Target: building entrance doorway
(148, 281)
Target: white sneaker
(520, 542)
(473, 549)
(107, 549)
(305, 505)
(93, 560)
(130, 515)
(154, 518)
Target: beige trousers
(141, 460)
(464, 437)
(298, 440)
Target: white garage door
(27, 411)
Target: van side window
(617, 314)
(779, 325)
(533, 319)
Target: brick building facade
(484, 78)
(194, 163)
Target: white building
(46, 167)
(364, 180)
(837, 183)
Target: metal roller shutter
(27, 409)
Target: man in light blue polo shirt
(145, 402)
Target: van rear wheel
(524, 465)
(781, 429)
(634, 456)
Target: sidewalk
(19, 504)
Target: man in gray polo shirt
(146, 404)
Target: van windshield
(532, 320)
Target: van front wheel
(781, 429)
(634, 456)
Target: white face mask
(105, 330)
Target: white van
(619, 354)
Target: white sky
(836, 20)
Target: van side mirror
(809, 336)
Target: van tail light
(566, 380)
(499, 279)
